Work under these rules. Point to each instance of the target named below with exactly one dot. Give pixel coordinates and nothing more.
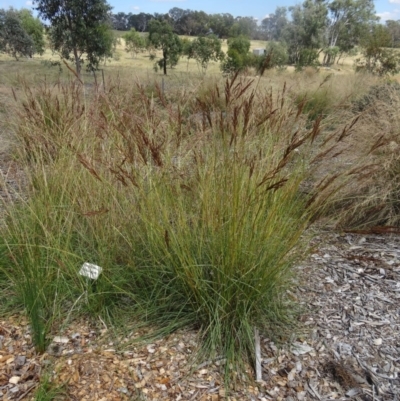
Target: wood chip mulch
(350, 287)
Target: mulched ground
(351, 288)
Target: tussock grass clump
(325, 95)
(374, 197)
(194, 208)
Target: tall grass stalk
(193, 205)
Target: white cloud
(135, 8)
(386, 15)
(394, 1)
(28, 3)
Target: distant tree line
(297, 35)
(335, 27)
(191, 23)
(338, 23)
(307, 34)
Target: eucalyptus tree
(245, 26)
(205, 49)
(220, 24)
(140, 21)
(80, 30)
(394, 31)
(305, 33)
(134, 42)
(34, 28)
(162, 36)
(237, 55)
(274, 24)
(14, 40)
(377, 56)
(348, 22)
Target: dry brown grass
(373, 197)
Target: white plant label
(90, 270)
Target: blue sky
(386, 9)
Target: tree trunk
(165, 62)
(77, 63)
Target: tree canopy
(205, 49)
(78, 29)
(237, 55)
(21, 35)
(134, 42)
(34, 28)
(161, 36)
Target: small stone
(387, 367)
(14, 379)
(61, 340)
(299, 349)
(123, 390)
(20, 361)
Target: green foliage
(220, 24)
(274, 24)
(161, 36)
(378, 58)
(14, 40)
(78, 29)
(245, 26)
(394, 31)
(316, 103)
(307, 57)
(330, 54)
(304, 35)
(240, 45)
(188, 22)
(48, 391)
(134, 42)
(204, 49)
(276, 55)
(187, 47)
(237, 56)
(349, 22)
(34, 28)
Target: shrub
(277, 54)
(307, 57)
(134, 42)
(378, 58)
(237, 56)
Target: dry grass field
(124, 65)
